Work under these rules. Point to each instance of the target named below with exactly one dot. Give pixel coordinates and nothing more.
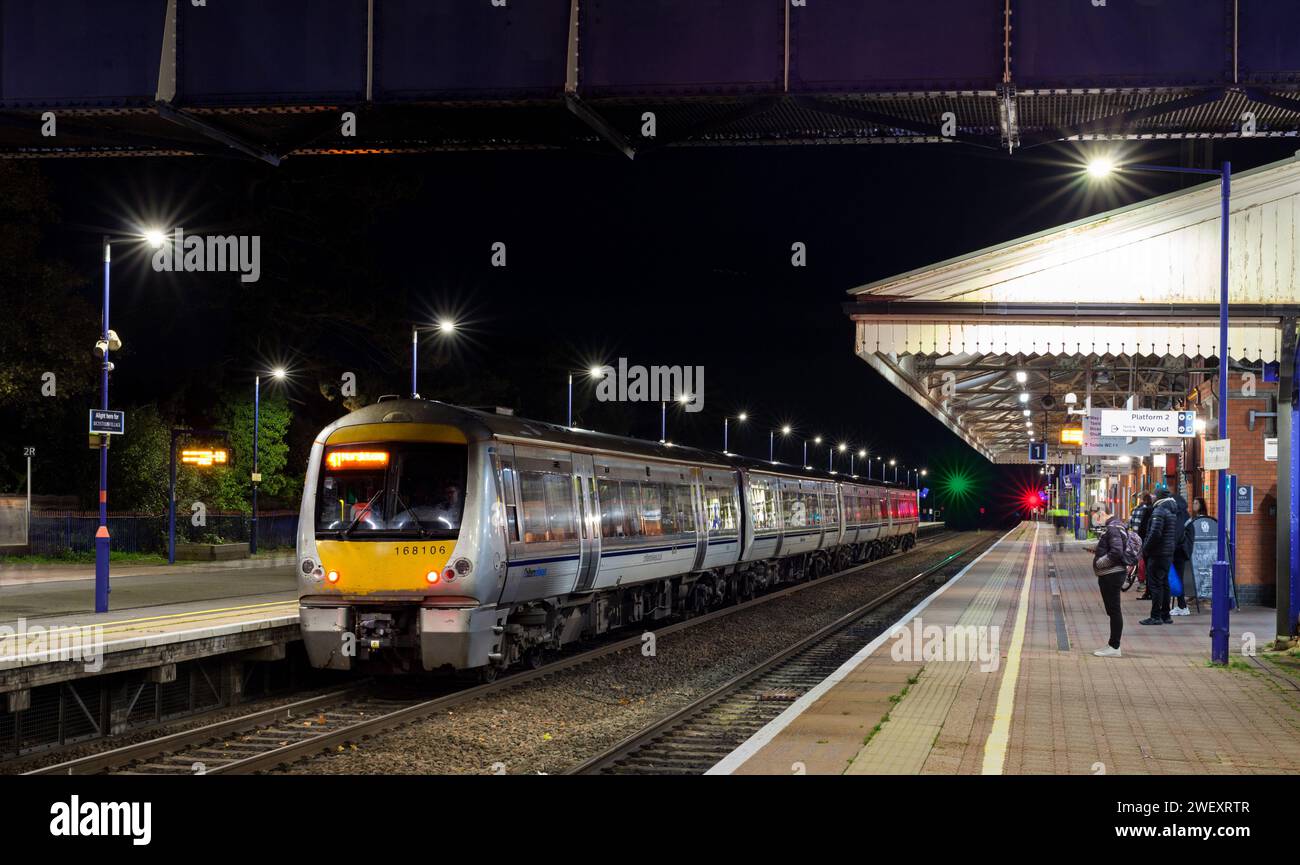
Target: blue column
(101, 534)
(1219, 591)
(171, 505)
(257, 413)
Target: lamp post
(101, 534)
(594, 372)
(740, 418)
(108, 342)
(771, 440)
(894, 463)
(862, 453)
(1219, 587)
(278, 374)
(446, 327)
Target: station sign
(1072, 435)
(1270, 450)
(1218, 455)
(1139, 423)
(1038, 452)
(107, 422)
(1096, 444)
(1245, 499)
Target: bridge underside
(164, 77)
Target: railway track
(274, 737)
(693, 739)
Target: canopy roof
(1123, 303)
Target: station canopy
(1117, 305)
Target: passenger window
(619, 506)
(548, 507)
(651, 510)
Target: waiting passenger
(1109, 565)
(1140, 521)
(1158, 550)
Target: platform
(1039, 701)
(158, 617)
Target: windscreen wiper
(361, 513)
(410, 512)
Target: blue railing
(55, 532)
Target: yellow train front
(397, 569)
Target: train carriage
(436, 537)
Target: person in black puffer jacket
(1158, 549)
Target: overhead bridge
(270, 80)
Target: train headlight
(463, 566)
(308, 566)
(332, 576)
(432, 577)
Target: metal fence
(55, 532)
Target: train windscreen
(392, 490)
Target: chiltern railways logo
(112, 819)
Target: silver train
(434, 537)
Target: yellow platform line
(995, 747)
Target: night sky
(680, 257)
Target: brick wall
(1257, 532)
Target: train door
(584, 488)
(701, 519)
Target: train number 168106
(421, 550)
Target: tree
(46, 335)
(233, 490)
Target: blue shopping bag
(1175, 583)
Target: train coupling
(375, 632)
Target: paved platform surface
(1036, 700)
(149, 587)
(152, 611)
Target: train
(434, 537)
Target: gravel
(550, 725)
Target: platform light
(596, 372)
(862, 453)
(1024, 397)
(843, 447)
(817, 440)
(155, 237)
(785, 430)
(1021, 376)
(683, 398)
(447, 326)
(1100, 166)
(742, 416)
(1026, 412)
